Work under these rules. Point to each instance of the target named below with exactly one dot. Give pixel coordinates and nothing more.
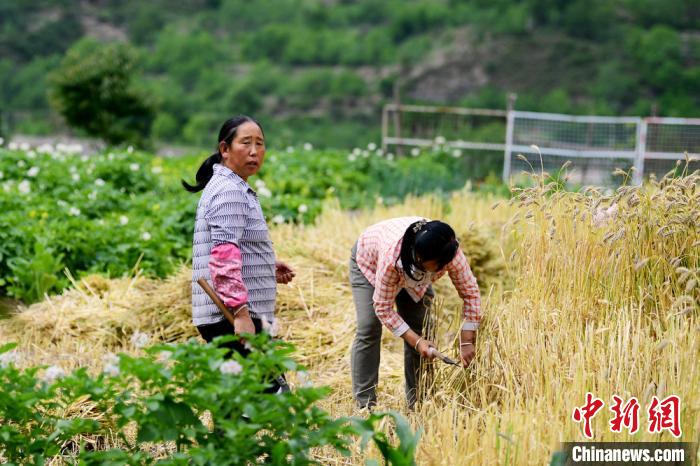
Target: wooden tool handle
(214, 297)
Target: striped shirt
(229, 212)
(378, 258)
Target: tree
(93, 90)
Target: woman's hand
(242, 322)
(424, 349)
(467, 348)
(283, 273)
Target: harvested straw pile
(603, 299)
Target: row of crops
(111, 212)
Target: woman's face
(246, 153)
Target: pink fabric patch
(225, 267)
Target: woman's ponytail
(204, 174)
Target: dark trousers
(364, 358)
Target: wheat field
(582, 292)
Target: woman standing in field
(396, 261)
(232, 249)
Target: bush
(165, 397)
(93, 91)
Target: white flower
(130, 149)
(2, 141)
(308, 146)
(134, 167)
(290, 149)
(111, 364)
(380, 200)
(123, 219)
(21, 164)
(357, 152)
(231, 367)
(45, 149)
(33, 172)
(457, 153)
(52, 373)
(25, 187)
(415, 152)
(146, 236)
(389, 156)
(163, 356)
(278, 219)
(365, 153)
(10, 357)
(24, 146)
(100, 182)
(379, 152)
(74, 211)
(371, 146)
(110, 156)
(75, 177)
(440, 140)
(303, 208)
(13, 146)
(111, 369)
(157, 169)
(93, 195)
(84, 158)
(259, 183)
(304, 379)
(352, 158)
(264, 192)
(140, 339)
(31, 154)
(1, 174)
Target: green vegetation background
(318, 71)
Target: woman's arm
(467, 287)
(385, 292)
(225, 269)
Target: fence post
(641, 150)
(385, 128)
(510, 120)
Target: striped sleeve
(227, 216)
(225, 268)
(465, 283)
(385, 292)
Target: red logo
(665, 415)
(626, 416)
(587, 412)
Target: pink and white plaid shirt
(379, 249)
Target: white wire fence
(594, 146)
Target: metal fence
(594, 145)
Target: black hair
(431, 241)
(226, 134)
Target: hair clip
(419, 226)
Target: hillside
(320, 70)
